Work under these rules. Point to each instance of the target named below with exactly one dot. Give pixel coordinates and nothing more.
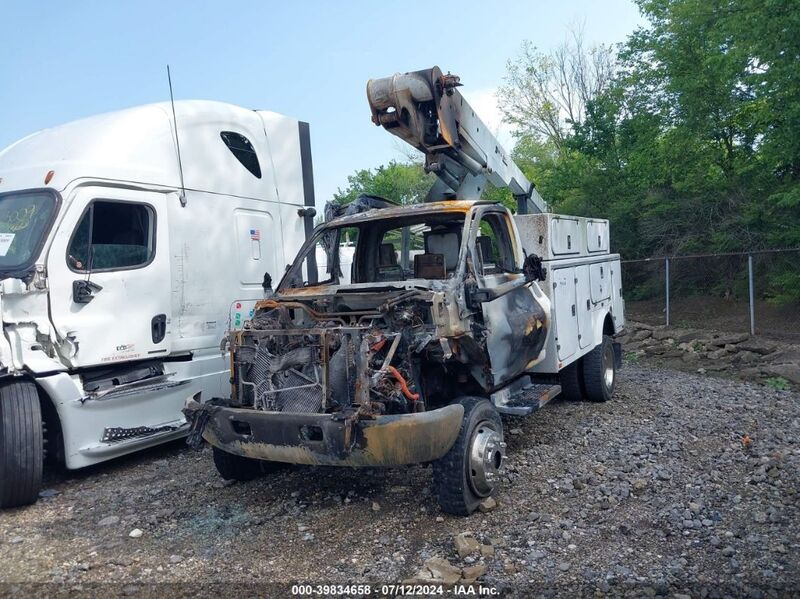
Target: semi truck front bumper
(327, 439)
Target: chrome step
(526, 400)
(172, 430)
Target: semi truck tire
(468, 472)
(600, 371)
(236, 467)
(571, 383)
(21, 444)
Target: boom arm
(425, 109)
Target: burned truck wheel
(21, 444)
(236, 467)
(470, 470)
(600, 371)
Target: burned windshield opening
(25, 219)
(381, 250)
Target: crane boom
(426, 110)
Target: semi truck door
(514, 321)
(109, 277)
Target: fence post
(750, 289)
(666, 271)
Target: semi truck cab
(123, 266)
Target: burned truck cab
(379, 362)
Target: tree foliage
(693, 145)
(403, 182)
(546, 93)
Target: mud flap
(617, 354)
(198, 416)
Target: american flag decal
(255, 234)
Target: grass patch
(778, 383)
(631, 358)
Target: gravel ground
(684, 484)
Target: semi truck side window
(244, 151)
(113, 235)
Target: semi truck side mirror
(83, 291)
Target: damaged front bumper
(327, 439)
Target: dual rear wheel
(593, 376)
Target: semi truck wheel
(21, 444)
(236, 467)
(571, 383)
(600, 371)
(469, 472)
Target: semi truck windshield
(25, 219)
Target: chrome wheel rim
(486, 455)
(608, 366)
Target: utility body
(123, 267)
(450, 313)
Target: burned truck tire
(236, 467)
(570, 381)
(21, 444)
(469, 472)
(600, 371)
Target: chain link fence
(756, 292)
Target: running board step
(162, 434)
(526, 400)
(147, 385)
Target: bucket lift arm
(424, 109)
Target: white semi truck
(407, 343)
(130, 242)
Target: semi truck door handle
(158, 328)
(83, 291)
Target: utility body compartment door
(597, 236)
(583, 305)
(600, 276)
(113, 244)
(565, 236)
(565, 311)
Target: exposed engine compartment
(291, 358)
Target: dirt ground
(682, 485)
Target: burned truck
(443, 316)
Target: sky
(308, 59)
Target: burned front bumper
(328, 439)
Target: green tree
(546, 93)
(403, 182)
(693, 145)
